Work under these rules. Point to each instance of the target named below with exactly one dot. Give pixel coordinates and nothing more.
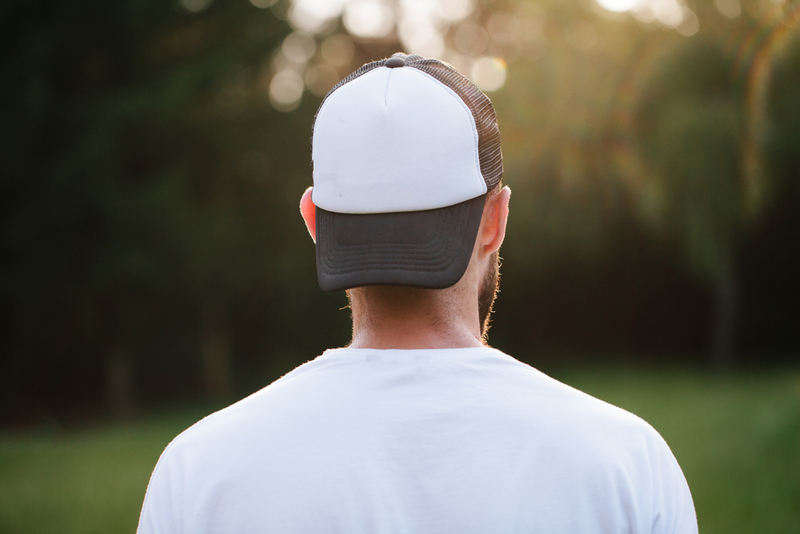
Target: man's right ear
(309, 212)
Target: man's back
(408, 214)
(453, 440)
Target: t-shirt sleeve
(158, 515)
(673, 507)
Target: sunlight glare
(454, 10)
(421, 38)
(690, 24)
(299, 47)
(668, 13)
(488, 73)
(419, 9)
(313, 15)
(286, 90)
(368, 18)
(618, 6)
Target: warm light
(313, 15)
(420, 38)
(421, 24)
(419, 9)
(305, 20)
(299, 47)
(454, 10)
(729, 8)
(286, 90)
(617, 5)
(644, 13)
(368, 18)
(488, 73)
(325, 9)
(669, 13)
(419, 28)
(690, 24)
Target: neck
(409, 318)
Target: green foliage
(146, 177)
(147, 184)
(695, 148)
(691, 126)
(92, 481)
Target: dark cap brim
(427, 249)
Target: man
(417, 426)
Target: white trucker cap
(404, 151)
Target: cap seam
(386, 89)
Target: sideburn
(487, 294)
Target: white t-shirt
(418, 441)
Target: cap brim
(428, 249)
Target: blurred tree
(700, 135)
(122, 189)
(605, 115)
(149, 233)
(690, 129)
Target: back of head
(404, 150)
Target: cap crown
(414, 135)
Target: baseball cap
(404, 151)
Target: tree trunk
(726, 311)
(215, 353)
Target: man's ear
(493, 225)
(309, 212)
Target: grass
(738, 441)
(90, 481)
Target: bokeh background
(155, 266)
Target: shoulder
(220, 436)
(608, 446)
(604, 445)
(565, 418)
(535, 391)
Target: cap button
(394, 62)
